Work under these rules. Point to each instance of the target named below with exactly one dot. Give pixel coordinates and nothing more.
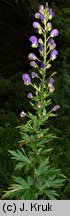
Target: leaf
(51, 194)
(44, 166)
(19, 166)
(35, 86)
(18, 188)
(19, 156)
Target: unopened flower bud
(33, 64)
(55, 108)
(48, 66)
(32, 56)
(39, 106)
(26, 79)
(22, 114)
(34, 42)
(30, 95)
(37, 15)
(53, 54)
(36, 25)
(54, 33)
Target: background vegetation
(16, 17)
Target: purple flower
(51, 80)
(22, 114)
(42, 17)
(26, 79)
(50, 84)
(30, 95)
(55, 108)
(43, 65)
(49, 25)
(34, 42)
(36, 25)
(41, 48)
(54, 33)
(37, 15)
(32, 56)
(51, 43)
(41, 9)
(53, 54)
(51, 14)
(39, 31)
(34, 74)
(33, 64)
(46, 4)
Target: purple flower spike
(26, 79)
(53, 54)
(30, 95)
(32, 56)
(33, 74)
(43, 65)
(37, 15)
(55, 108)
(33, 64)
(46, 4)
(54, 33)
(34, 42)
(51, 14)
(36, 25)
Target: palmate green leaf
(19, 156)
(51, 194)
(46, 151)
(53, 181)
(31, 116)
(44, 118)
(19, 166)
(17, 188)
(44, 166)
(26, 195)
(26, 128)
(41, 141)
(25, 137)
(43, 187)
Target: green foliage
(43, 184)
(41, 179)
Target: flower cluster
(45, 45)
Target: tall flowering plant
(38, 179)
